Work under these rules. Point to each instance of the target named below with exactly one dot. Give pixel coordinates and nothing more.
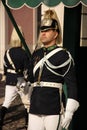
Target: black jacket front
(46, 100)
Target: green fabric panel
(65, 90)
(71, 37)
(71, 34)
(15, 3)
(36, 3)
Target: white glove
(71, 106)
(66, 119)
(21, 84)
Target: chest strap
(11, 71)
(10, 60)
(46, 57)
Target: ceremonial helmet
(49, 23)
(50, 20)
(15, 40)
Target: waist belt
(11, 71)
(48, 84)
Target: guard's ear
(56, 34)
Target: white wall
(3, 34)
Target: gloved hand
(71, 106)
(66, 119)
(21, 84)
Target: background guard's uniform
(21, 62)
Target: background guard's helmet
(15, 40)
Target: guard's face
(48, 37)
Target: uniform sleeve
(70, 80)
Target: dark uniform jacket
(21, 62)
(46, 100)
